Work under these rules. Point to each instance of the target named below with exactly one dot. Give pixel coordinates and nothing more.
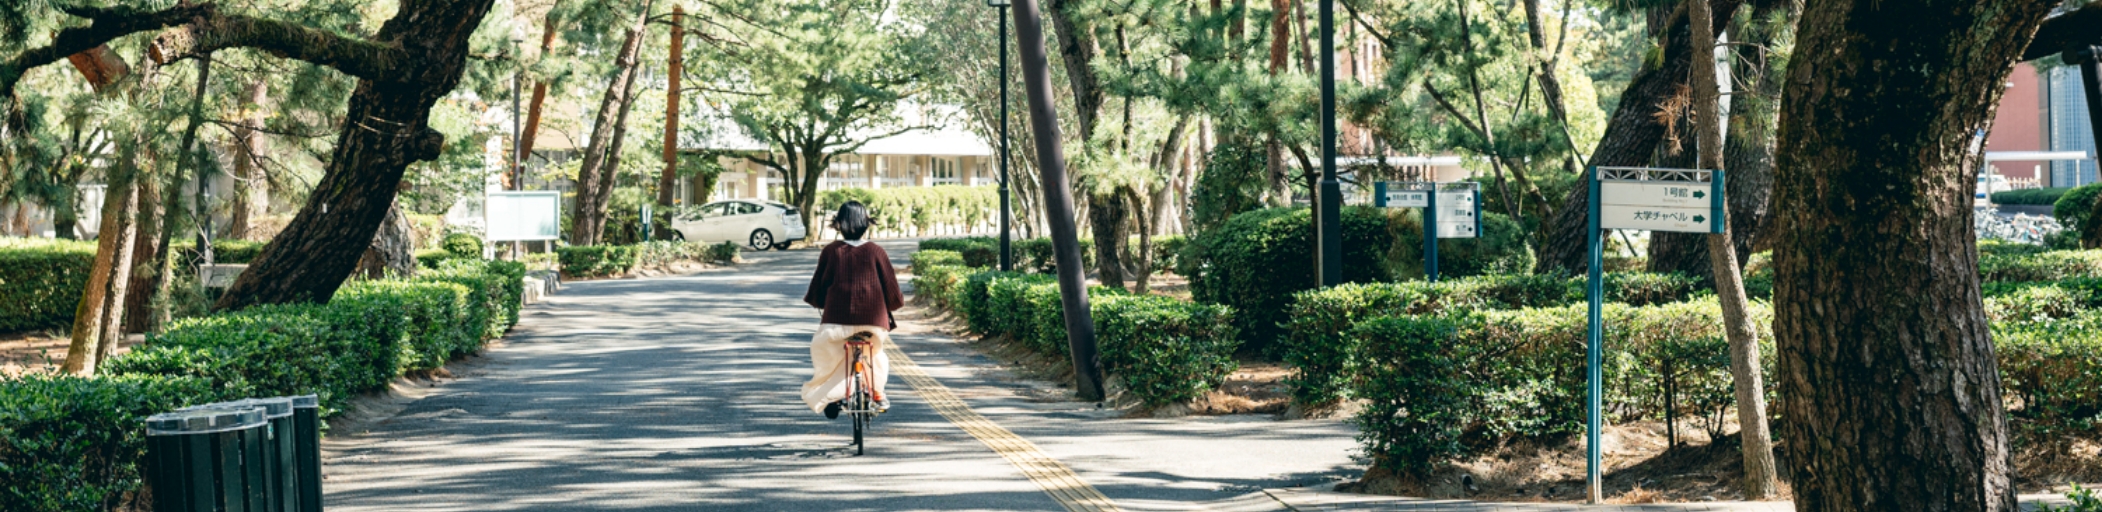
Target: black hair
(852, 221)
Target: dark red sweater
(855, 286)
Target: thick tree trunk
(1891, 389)
(96, 322)
(1077, 49)
(393, 249)
(251, 201)
(532, 125)
(145, 257)
(385, 129)
(1755, 443)
(65, 213)
(609, 174)
(1685, 253)
(587, 217)
(1106, 212)
(1631, 137)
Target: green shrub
(2041, 266)
(1501, 248)
(335, 351)
(1036, 254)
(725, 253)
(927, 258)
(936, 284)
(70, 443)
(1323, 354)
(1255, 262)
(982, 256)
(2036, 196)
(958, 245)
(497, 286)
(463, 245)
(1167, 249)
(2053, 370)
(223, 252)
(41, 281)
(2072, 207)
(1007, 310)
(1487, 378)
(974, 299)
(444, 318)
(596, 260)
(1165, 350)
(432, 258)
(1418, 397)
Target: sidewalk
(1325, 499)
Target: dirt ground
(40, 352)
(1641, 467)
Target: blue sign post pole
(1594, 353)
(1430, 237)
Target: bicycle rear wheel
(857, 399)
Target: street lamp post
(1330, 209)
(1006, 211)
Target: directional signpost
(1450, 210)
(1678, 200)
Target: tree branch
(204, 30)
(2059, 33)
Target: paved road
(679, 393)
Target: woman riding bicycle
(858, 289)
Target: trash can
(272, 468)
(197, 459)
(306, 447)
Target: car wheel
(678, 236)
(761, 239)
(783, 246)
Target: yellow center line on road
(1057, 480)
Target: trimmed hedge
(596, 260)
(1255, 262)
(929, 258)
(462, 244)
(935, 276)
(41, 281)
(2033, 196)
(1325, 356)
(2072, 207)
(73, 444)
(70, 443)
(1453, 385)
(223, 252)
(2052, 369)
(2017, 266)
(1165, 350)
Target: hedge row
(596, 260)
(1450, 385)
(70, 443)
(1319, 346)
(41, 280)
(1164, 350)
(2032, 196)
(1278, 242)
(1030, 254)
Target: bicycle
(861, 385)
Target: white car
(756, 224)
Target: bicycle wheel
(857, 399)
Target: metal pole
(1430, 235)
(2091, 80)
(1007, 262)
(1330, 234)
(517, 145)
(1058, 202)
(1594, 353)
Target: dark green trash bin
(272, 468)
(198, 459)
(306, 443)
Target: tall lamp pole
(1330, 234)
(1006, 211)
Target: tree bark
(1077, 49)
(1630, 139)
(385, 129)
(673, 68)
(1106, 212)
(587, 217)
(532, 126)
(1754, 441)
(251, 201)
(146, 248)
(97, 322)
(393, 249)
(1892, 391)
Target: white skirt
(828, 355)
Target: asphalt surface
(680, 393)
